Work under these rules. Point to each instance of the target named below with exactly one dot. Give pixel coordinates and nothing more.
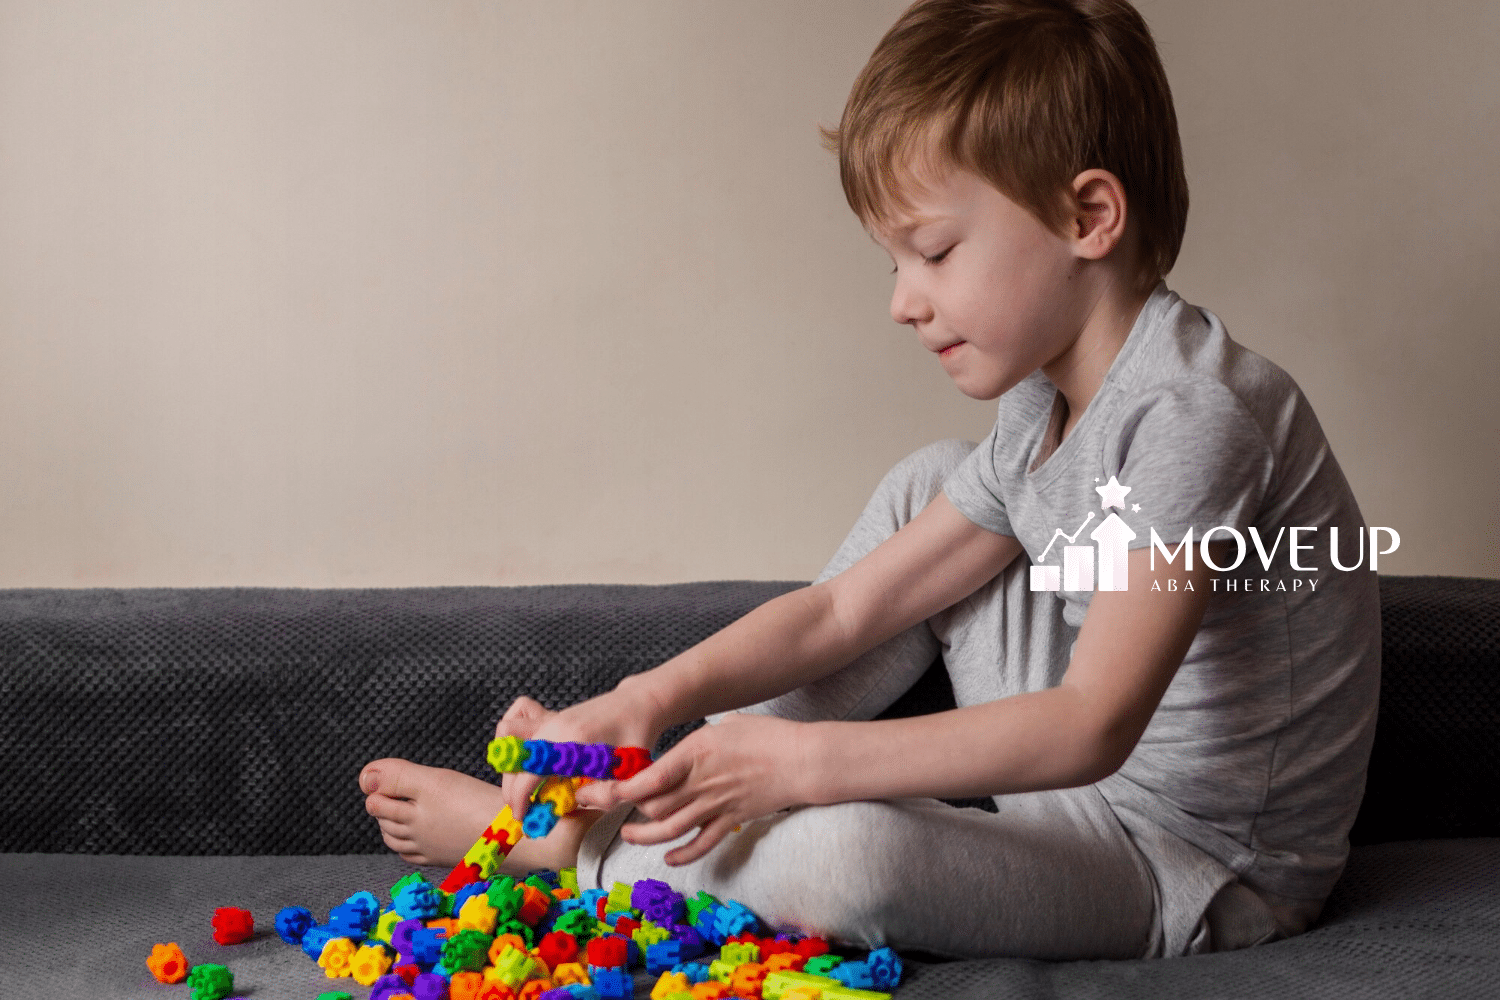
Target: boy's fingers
(659, 777)
(669, 827)
(708, 838)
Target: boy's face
(986, 286)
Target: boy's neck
(1079, 371)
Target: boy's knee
(917, 479)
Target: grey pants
(1053, 874)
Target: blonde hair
(1026, 94)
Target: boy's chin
(983, 389)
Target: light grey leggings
(1051, 875)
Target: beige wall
(315, 293)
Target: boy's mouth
(944, 351)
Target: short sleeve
(974, 487)
(1193, 457)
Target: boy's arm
(932, 562)
(1127, 652)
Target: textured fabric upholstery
(230, 724)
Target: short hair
(1026, 94)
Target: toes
(387, 809)
(391, 776)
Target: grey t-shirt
(1258, 751)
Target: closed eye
(938, 258)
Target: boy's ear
(1099, 213)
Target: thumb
(602, 795)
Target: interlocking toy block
(614, 984)
(427, 945)
(540, 756)
(335, 957)
(579, 923)
(668, 983)
(747, 980)
(507, 754)
(466, 951)
(513, 967)
(370, 962)
(334, 995)
(477, 914)
(711, 989)
(292, 922)
(232, 925)
(167, 963)
(885, 968)
(819, 965)
(557, 948)
(607, 952)
(571, 973)
(738, 954)
(418, 901)
(209, 982)
(539, 821)
(855, 974)
(783, 961)
(430, 986)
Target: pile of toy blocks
(542, 939)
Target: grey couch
(166, 752)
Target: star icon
(1135, 508)
(1112, 494)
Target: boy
(1176, 765)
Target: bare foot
(432, 816)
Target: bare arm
(934, 561)
(1129, 648)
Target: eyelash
(934, 260)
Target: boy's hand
(609, 718)
(718, 777)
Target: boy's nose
(907, 307)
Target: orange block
(465, 986)
(711, 989)
(167, 963)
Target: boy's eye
(937, 258)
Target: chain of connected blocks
(565, 766)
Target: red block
(462, 874)
(557, 948)
(608, 952)
(633, 760)
(232, 926)
(811, 947)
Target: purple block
(429, 986)
(598, 760)
(569, 755)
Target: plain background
(356, 293)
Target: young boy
(1177, 756)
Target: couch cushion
(1420, 918)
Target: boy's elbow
(1106, 748)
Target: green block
(698, 904)
(467, 951)
(568, 879)
(721, 970)
(385, 925)
(210, 982)
(405, 881)
(506, 897)
(334, 995)
(619, 899)
(519, 929)
(579, 923)
(819, 965)
(778, 983)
